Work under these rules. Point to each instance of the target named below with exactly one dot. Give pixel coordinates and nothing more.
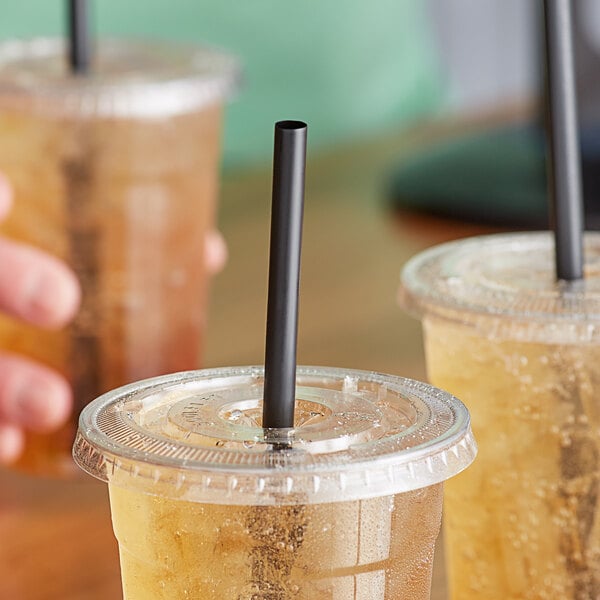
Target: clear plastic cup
(205, 504)
(523, 352)
(116, 173)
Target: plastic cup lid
(132, 79)
(508, 277)
(196, 436)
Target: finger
(32, 396)
(5, 197)
(215, 252)
(35, 286)
(12, 442)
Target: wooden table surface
(56, 541)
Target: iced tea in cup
(347, 504)
(116, 173)
(523, 352)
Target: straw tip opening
(290, 125)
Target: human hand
(43, 291)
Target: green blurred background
(348, 67)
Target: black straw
(289, 165)
(564, 165)
(80, 52)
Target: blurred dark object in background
(497, 176)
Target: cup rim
(135, 78)
(497, 280)
(436, 446)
